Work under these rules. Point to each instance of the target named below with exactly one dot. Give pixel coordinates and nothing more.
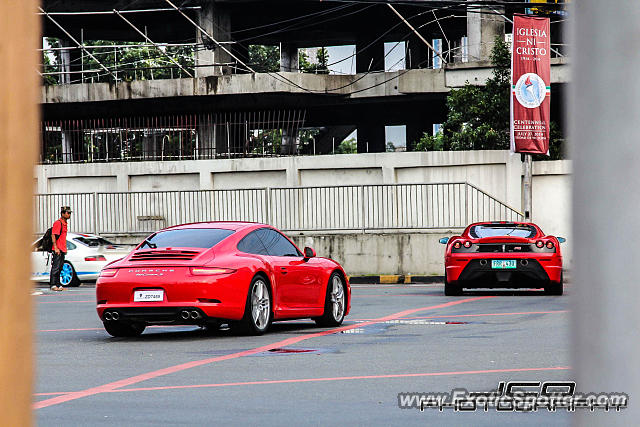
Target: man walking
(59, 238)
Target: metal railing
(344, 208)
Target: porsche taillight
(108, 273)
(210, 271)
(95, 258)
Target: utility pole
(20, 88)
(605, 154)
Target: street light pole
(527, 186)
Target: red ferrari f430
(503, 255)
(244, 274)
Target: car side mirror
(309, 253)
(561, 239)
(444, 240)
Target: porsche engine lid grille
(164, 255)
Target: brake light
(457, 245)
(210, 271)
(550, 245)
(540, 243)
(108, 273)
(467, 244)
(95, 258)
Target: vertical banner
(530, 85)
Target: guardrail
(345, 208)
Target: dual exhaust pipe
(111, 315)
(184, 314)
(193, 314)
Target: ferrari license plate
(501, 264)
(156, 295)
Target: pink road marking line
(63, 302)
(307, 380)
(474, 315)
(102, 329)
(181, 367)
(66, 330)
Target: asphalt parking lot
(398, 338)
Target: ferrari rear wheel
(555, 288)
(124, 329)
(257, 313)
(451, 289)
(334, 304)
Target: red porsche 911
(243, 274)
(503, 255)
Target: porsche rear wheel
(451, 289)
(124, 329)
(257, 313)
(334, 304)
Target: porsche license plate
(156, 295)
(501, 264)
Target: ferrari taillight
(457, 245)
(467, 244)
(549, 245)
(210, 271)
(540, 244)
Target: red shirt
(59, 230)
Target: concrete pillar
(369, 58)
(605, 291)
(69, 60)
(418, 54)
(64, 56)
(415, 132)
(206, 140)
(148, 145)
(289, 145)
(483, 27)
(216, 20)
(371, 138)
(67, 146)
(288, 58)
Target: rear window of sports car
(190, 238)
(493, 230)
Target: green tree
(49, 64)
(322, 65)
(478, 116)
(348, 146)
(264, 59)
(130, 63)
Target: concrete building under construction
(216, 103)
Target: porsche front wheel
(334, 304)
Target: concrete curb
(394, 279)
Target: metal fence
(345, 208)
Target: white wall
(498, 173)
